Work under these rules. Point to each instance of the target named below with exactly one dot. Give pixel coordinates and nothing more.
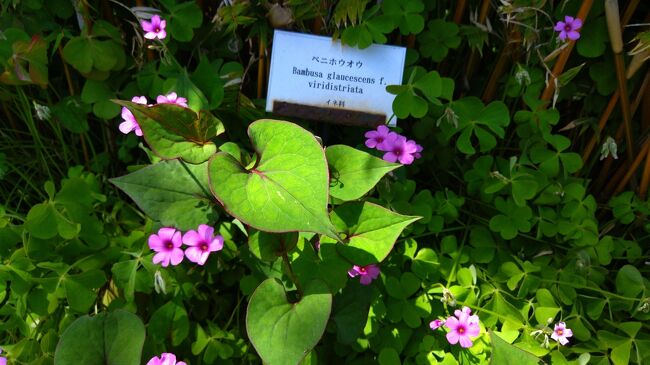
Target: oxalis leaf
(505, 353)
(114, 338)
(287, 188)
(172, 192)
(354, 172)
(283, 332)
(369, 230)
(176, 132)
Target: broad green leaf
(505, 353)
(184, 18)
(353, 173)
(269, 246)
(426, 264)
(389, 356)
(287, 188)
(169, 322)
(351, 312)
(79, 289)
(369, 231)
(172, 192)
(439, 37)
(45, 221)
(176, 132)
(283, 332)
(109, 338)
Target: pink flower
(201, 244)
(399, 149)
(155, 28)
(436, 323)
(167, 244)
(171, 98)
(560, 333)
(569, 28)
(3, 360)
(130, 124)
(367, 273)
(165, 359)
(418, 149)
(377, 138)
(462, 327)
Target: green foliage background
(519, 219)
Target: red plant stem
(601, 125)
(633, 168)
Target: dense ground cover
(503, 221)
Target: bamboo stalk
(473, 57)
(460, 10)
(629, 11)
(645, 177)
(261, 69)
(601, 125)
(507, 52)
(633, 168)
(564, 56)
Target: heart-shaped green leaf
(283, 332)
(370, 231)
(287, 188)
(172, 192)
(114, 338)
(354, 172)
(176, 132)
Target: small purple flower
(367, 273)
(377, 138)
(436, 323)
(155, 28)
(3, 360)
(167, 244)
(130, 124)
(569, 28)
(560, 333)
(401, 150)
(201, 244)
(165, 359)
(172, 98)
(462, 327)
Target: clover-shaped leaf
(485, 123)
(183, 19)
(550, 160)
(512, 220)
(408, 100)
(439, 37)
(407, 14)
(286, 189)
(372, 28)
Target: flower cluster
(200, 243)
(155, 28)
(569, 28)
(130, 124)
(165, 358)
(367, 273)
(462, 326)
(395, 146)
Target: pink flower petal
(150, 35)
(155, 243)
(559, 26)
(216, 244)
(177, 256)
(161, 258)
(464, 341)
(154, 361)
(452, 323)
(453, 337)
(573, 35)
(577, 24)
(193, 253)
(192, 238)
(126, 127)
(166, 233)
